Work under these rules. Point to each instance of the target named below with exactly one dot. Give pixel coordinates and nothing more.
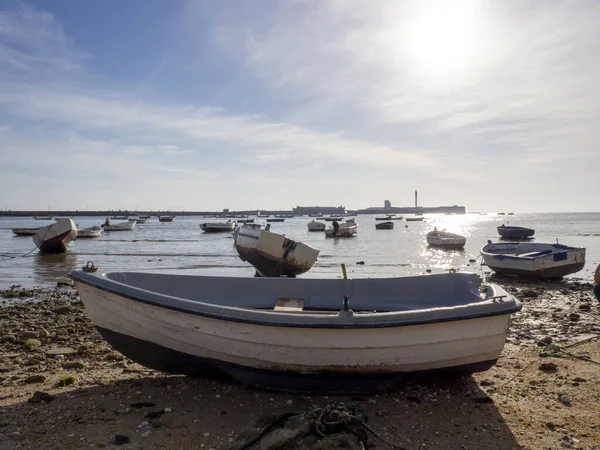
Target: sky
(203, 105)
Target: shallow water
(182, 247)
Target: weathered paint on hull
(157, 357)
(267, 266)
(553, 272)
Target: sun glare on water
(443, 40)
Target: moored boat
(384, 226)
(273, 254)
(444, 239)
(346, 229)
(120, 226)
(316, 226)
(294, 334)
(166, 218)
(89, 232)
(138, 219)
(276, 219)
(513, 232)
(25, 231)
(218, 227)
(54, 238)
(389, 217)
(414, 219)
(531, 259)
(332, 218)
(42, 217)
(119, 218)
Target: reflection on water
(50, 268)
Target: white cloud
(377, 99)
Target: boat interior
(297, 295)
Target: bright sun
(443, 39)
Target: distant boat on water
(444, 239)
(515, 232)
(389, 217)
(42, 217)
(316, 226)
(384, 226)
(218, 227)
(166, 218)
(25, 231)
(90, 232)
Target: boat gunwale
(510, 305)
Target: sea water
(181, 247)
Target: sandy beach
(63, 387)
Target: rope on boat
(4, 255)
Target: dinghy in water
(273, 254)
(513, 232)
(55, 238)
(294, 334)
(25, 231)
(444, 239)
(531, 259)
(90, 232)
(316, 226)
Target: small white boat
(119, 226)
(42, 217)
(90, 232)
(346, 229)
(414, 219)
(273, 254)
(311, 335)
(316, 226)
(531, 259)
(218, 227)
(55, 238)
(138, 219)
(25, 231)
(444, 239)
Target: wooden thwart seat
(289, 305)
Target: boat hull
(25, 231)
(55, 238)
(281, 356)
(267, 252)
(347, 229)
(218, 227)
(515, 232)
(165, 359)
(385, 226)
